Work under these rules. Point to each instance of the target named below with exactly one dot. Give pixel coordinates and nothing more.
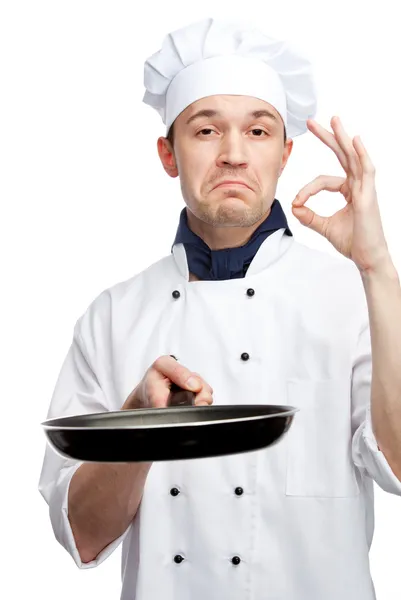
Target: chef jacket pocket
(319, 459)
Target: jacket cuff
(367, 454)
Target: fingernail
(193, 383)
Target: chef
(254, 316)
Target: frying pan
(179, 431)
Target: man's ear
(167, 156)
(286, 154)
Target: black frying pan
(180, 431)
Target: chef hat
(220, 57)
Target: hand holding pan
(160, 385)
(179, 431)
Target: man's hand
(356, 230)
(154, 389)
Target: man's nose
(233, 151)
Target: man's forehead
(219, 105)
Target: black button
(174, 491)
(236, 560)
(176, 294)
(250, 292)
(245, 356)
(178, 558)
(239, 491)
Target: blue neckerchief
(229, 263)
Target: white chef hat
(212, 57)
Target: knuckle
(165, 357)
(204, 398)
(158, 363)
(204, 383)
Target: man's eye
(260, 130)
(204, 130)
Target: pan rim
(47, 425)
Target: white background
(85, 204)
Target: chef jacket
(293, 521)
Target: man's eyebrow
(256, 114)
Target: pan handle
(180, 397)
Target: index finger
(169, 367)
(328, 138)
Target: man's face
(230, 144)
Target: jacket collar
(269, 252)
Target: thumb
(310, 219)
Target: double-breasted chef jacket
(291, 522)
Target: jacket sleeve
(77, 391)
(366, 454)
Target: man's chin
(235, 198)
(233, 212)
